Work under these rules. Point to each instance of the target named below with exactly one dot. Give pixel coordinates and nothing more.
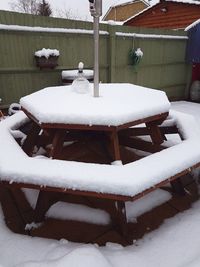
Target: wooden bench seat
(115, 184)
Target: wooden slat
(139, 144)
(159, 118)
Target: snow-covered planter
(135, 56)
(47, 58)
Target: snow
(147, 203)
(123, 98)
(151, 36)
(47, 52)
(47, 29)
(68, 211)
(72, 74)
(192, 25)
(174, 244)
(188, 108)
(13, 108)
(192, 2)
(139, 52)
(99, 178)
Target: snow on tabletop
(151, 36)
(117, 104)
(128, 180)
(72, 74)
(47, 53)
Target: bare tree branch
(35, 7)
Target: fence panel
(162, 66)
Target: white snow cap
(139, 52)
(47, 53)
(192, 25)
(129, 103)
(81, 65)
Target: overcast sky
(80, 7)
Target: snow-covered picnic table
(119, 106)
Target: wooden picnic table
(50, 130)
(107, 126)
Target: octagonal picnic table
(59, 112)
(120, 107)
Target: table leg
(155, 133)
(113, 146)
(44, 202)
(178, 187)
(57, 144)
(30, 141)
(117, 211)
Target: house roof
(124, 3)
(192, 25)
(156, 5)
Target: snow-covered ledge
(126, 180)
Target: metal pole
(96, 56)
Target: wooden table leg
(113, 146)
(44, 202)
(117, 211)
(31, 139)
(155, 133)
(178, 187)
(57, 144)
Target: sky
(77, 7)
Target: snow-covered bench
(119, 183)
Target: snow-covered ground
(176, 243)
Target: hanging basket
(136, 56)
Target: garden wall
(162, 66)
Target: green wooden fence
(162, 67)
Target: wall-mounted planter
(49, 63)
(47, 58)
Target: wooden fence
(162, 66)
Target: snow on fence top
(151, 36)
(46, 29)
(128, 180)
(82, 31)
